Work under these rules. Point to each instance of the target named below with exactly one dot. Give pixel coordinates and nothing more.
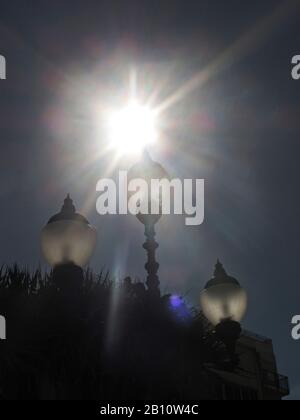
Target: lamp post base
(68, 278)
(229, 332)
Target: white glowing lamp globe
(68, 238)
(223, 298)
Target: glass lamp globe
(68, 238)
(147, 169)
(223, 298)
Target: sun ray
(90, 200)
(241, 47)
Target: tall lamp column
(148, 170)
(151, 265)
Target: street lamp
(68, 242)
(147, 169)
(224, 303)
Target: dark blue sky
(66, 61)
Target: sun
(132, 128)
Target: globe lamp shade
(223, 299)
(68, 238)
(149, 170)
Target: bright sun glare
(132, 128)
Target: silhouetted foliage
(108, 340)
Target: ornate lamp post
(68, 242)
(224, 303)
(147, 169)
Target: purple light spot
(175, 301)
